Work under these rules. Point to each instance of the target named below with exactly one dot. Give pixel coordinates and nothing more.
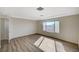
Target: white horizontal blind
(52, 26)
(57, 26)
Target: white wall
(69, 29)
(21, 27)
(4, 28)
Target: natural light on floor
(49, 45)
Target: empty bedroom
(39, 29)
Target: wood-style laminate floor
(26, 44)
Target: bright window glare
(57, 26)
(49, 23)
(51, 26)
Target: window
(51, 26)
(56, 26)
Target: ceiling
(32, 13)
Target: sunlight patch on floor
(49, 45)
(59, 47)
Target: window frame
(54, 31)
